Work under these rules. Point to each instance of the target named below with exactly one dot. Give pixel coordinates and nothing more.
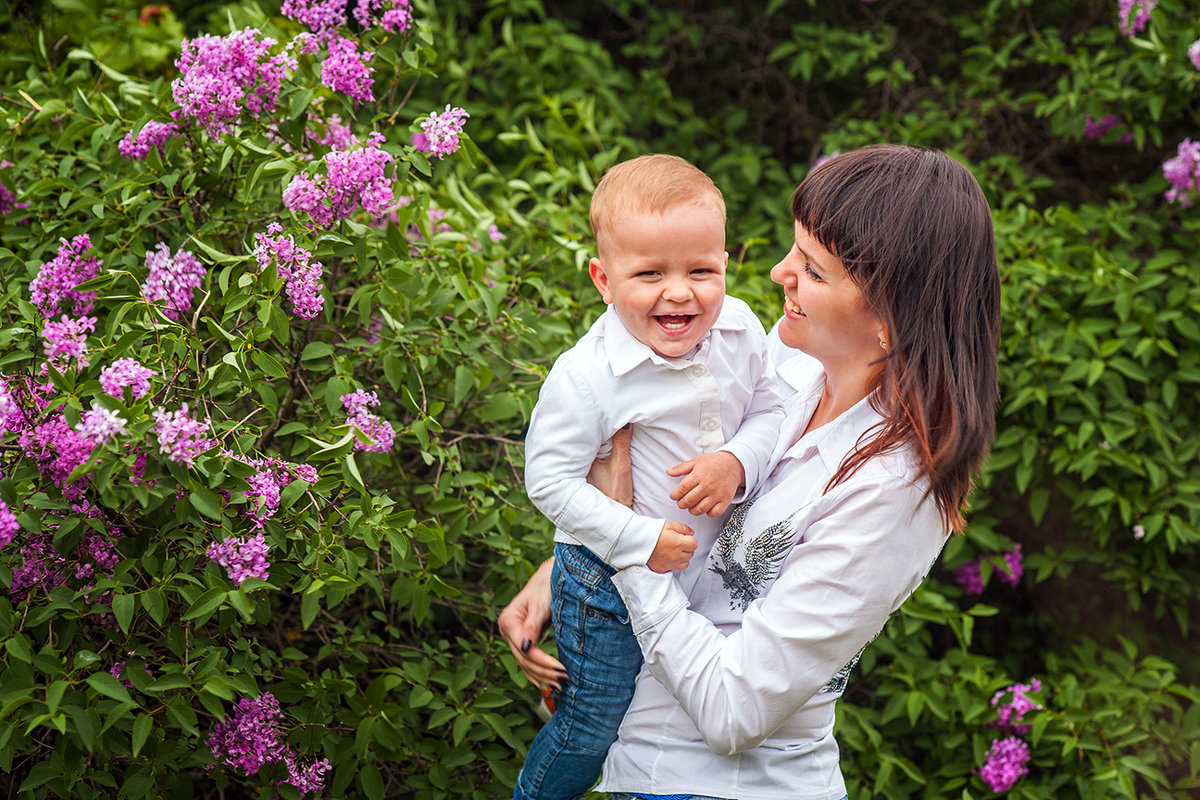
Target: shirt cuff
(750, 466)
(650, 596)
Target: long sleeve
(565, 435)
(759, 433)
(860, 551)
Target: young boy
(687, 368)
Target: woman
(891, 293)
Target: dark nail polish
(525, 645)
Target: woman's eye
(808, 269)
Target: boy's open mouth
(673, 323)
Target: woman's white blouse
(737, 696)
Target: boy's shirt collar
(625, 352)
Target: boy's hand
(676, 543)
(709, 482)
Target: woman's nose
(780, 273)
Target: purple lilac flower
(969, 577)
(378, 431)
(264, 494)
(152, 134)
(98, 424)
(251, 736)
(822, 159)
(306, 779)
(1011, 570)
(337, 135)
(126, 372)
(53, 290)
(295, 266)
(115, 671)
(396, 16)
(8, 524)
(1006, 760)
(318, 15)
(1011, 715)
(1194, 53)
(65, 342)
(172, 278)
(242, 558)
(352, 178)
(57, 450)
(180, 438)
(220, 77)
(1096, 129)
(22, 392)
(441, 132)
(1183, 173)
(8, 405)
(1139, 10)
(8, 200)
(347, 69)
(494, 233)
(41, 567)
(1139, 532)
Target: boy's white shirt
(722, 397)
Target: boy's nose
(678, 291)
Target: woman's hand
(521, 624)
(614, 475)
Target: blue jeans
(601, 654)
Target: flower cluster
(347, 69)
(1134, 14)
(396, 16)
(152, 134)
(318, 15)
(53, 290)
(441, 132)
(180, 438)
(57, 450)
(353, 178)
(295, 266)
(1097, 128)
(1183, 173)
(970, 575)
(222, 76)
(65, 341)
(42, 567)
(98, 424)
(378, 431)
(337, 135)
(1194, 53)
(1006, 763)
(252, 736)
(125, 372)
(8, 524)
(242, 558)
(173, 278)
(118, 666)
(17, 395)
(1011, 714)
(8, 405)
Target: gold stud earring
(883, 343)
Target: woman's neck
(843, 390)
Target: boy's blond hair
(650, 184)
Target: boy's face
(665, 274)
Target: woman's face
(825, 314)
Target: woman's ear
(885, 341)
(600, 278)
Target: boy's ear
(600, 278)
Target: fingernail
(525, 645)
(626, 426)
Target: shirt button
(696, 371)
(711, 424)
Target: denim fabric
(628, 796)
(601, 654)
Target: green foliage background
(376, 629)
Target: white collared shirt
(722, 397)
(742, 672)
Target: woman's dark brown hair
(913, 229)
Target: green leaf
(371, 781)
(205, 604)
(123, 606)
(107, 685)
(18, 647)
(207, 502)
(154, 600)
(141, 732)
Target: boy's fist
(709, 482)
(676, 543)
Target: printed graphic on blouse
(838, 682)
(761, 558)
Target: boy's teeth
(674, 322)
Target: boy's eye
(701, 271)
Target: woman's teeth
(795, 309)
